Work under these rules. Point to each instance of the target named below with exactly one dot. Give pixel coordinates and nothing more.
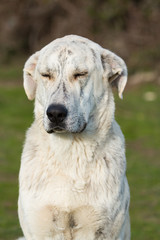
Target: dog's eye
(78, 75)
(46, 75)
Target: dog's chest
(68, 175)
(76, 183)
(65, 200)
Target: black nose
(56, 113)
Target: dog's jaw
(60, 130)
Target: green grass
(15, 117)
(139, 121)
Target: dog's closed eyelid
(80, 74)
(47, 76)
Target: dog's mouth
(84, 127)
(59, 129)
(56, 130)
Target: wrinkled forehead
(76, 55)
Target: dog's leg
(125, 231)
(23, 223)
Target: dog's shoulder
(116, 131)
(32, 140)
(115, 136)
(35, 133)
(115, 146)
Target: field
(140, 123)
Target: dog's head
(69, 78)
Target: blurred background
(130, 28)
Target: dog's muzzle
(56, 113)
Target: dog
(73, 183)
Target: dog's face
(69, 77)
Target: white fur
(73, 184)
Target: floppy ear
(115, 70)
(29, 82)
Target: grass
(15, 117)
(139, 120)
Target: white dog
(72, 177)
